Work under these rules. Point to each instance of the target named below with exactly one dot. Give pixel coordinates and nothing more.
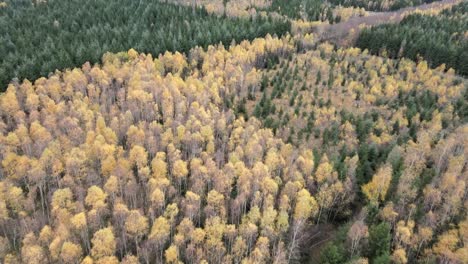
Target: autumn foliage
(235, 155)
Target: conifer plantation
(40, 36)
(439, 39)
(217, 131)
(381, 5)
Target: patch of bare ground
(315, 238)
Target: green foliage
(39, 38)
(241, 111)
(397, 170)
(379, 240)
(333, 254)
(380, 5)
(461, 106)
(318, 79)
(438, 39)
(310, 10)
(382, 259)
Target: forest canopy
(309, 10)
(155, 132)
(381, 5)
(144, 159)
(39, 37)
(439, 39)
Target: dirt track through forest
(345, 33)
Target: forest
(363, 116)
(381, 5)
(439, 39)
(310, 10)
(227, 132)
(39, 37)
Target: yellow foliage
(79, 221)
(306, 206)
(70, 253)
(96, 198)
(172, 254)
(103, 243)
(377, 188)
(399, 256)
(160, 230)
(136, 224)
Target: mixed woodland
(39, 37)
(222, 137)
(439, 39)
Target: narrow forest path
(345, 33)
